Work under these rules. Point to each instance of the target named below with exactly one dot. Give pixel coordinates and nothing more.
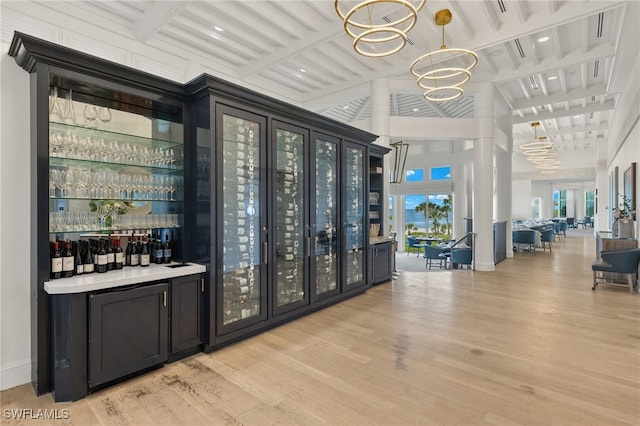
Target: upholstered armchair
(525, 236)
(434, 253)
(462, 256)
(620, 261)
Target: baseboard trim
(15, 374)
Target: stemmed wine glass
(91, 114)
(104, 115)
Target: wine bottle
(102, 258)
(87, 258)
(135, 253)
(127, 252)
(56, 262)
(158, 252)
(78, 260)
(144, 254)
(111, 258)
(166, 250)
(118, 255)
(68, 264)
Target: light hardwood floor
(528, 344)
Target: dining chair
(619, 261)
(413, 243)
(525, 236)
(433, 253)
(546, 237)
(462, 256)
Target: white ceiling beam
(555, 39)
(563, 80)
(569, 60)
(583, 76)
(584, 35)
(304, 12)
(217, 39)
(155, 17)
(568, 131)
(543, 85)
(520, 12)
(275, 16)
(524, 89)
(535, 58)
(490, 14)
(310, 40)
(211, 16)
(361, 109)
(560, 97)
(594, 107)
(540, 21)
(459, 13)
(513, 59)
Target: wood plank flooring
(529, 344)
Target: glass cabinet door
(290, 229)
(326, 218)
(354, 215)
(242, 216)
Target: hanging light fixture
(442, 73)
(378, 27)
(400, 150)
(539, 152)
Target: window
(535, 207)
(440, 215)
(560, 203)
(414, 219)
(441, 173)
(415, 175)
(589, 203)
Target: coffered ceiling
(563, 63)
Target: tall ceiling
(297, 50)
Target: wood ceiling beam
(594, 107)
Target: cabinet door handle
(309, 246)
(265, 255)
(164, 298)
(202, 284)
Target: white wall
(15, 237)
(521, 199)
(544, 190)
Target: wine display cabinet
(266, 202)
(107, 160)
(280, 177)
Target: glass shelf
(140, 201)
(57, 161)
(111, 136)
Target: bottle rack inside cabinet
(241, 219)
(290, 238)
(326, 249)
(354, 211)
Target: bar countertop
(121, 277)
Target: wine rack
(326, 250)
(290, 220)
(241, 216)
(354, 215)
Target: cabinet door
(353, 211)
(381, 259)
(186, 312)
(242, 298)
(325, 217)
(128, 332)
(291, 213)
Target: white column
(459, 196)
(380, 125)
(483, 178)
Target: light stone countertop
(117, 278)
